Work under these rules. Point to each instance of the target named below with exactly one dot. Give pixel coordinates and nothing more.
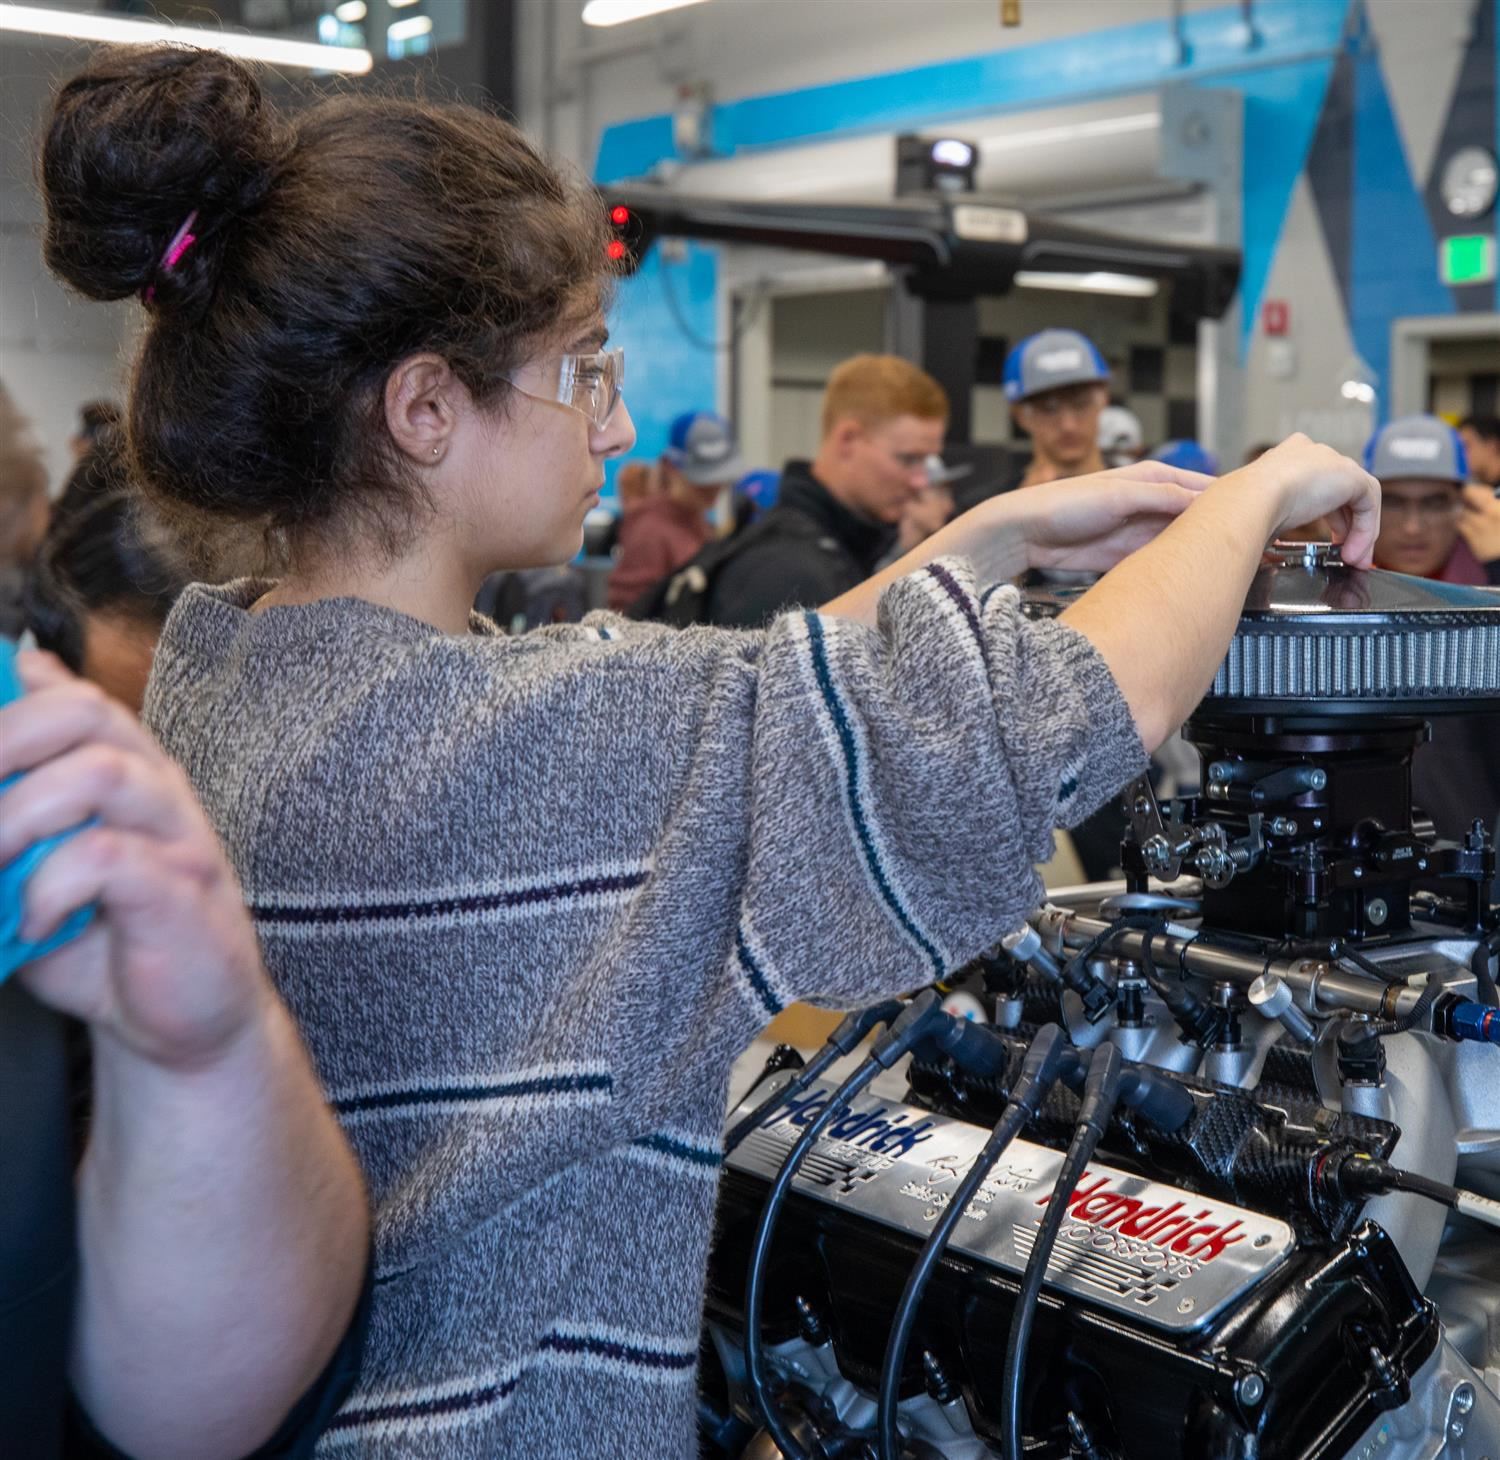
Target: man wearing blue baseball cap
(1420, 464)
(660, 534)
(1058, 384)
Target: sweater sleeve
(871, 802)
(908, 778)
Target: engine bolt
(1250, 1389)
(1377, 911)
(1317, 780)
(1463, 1399)
(1359, 872)
(1283, 826)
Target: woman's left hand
(1089, 523)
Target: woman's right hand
(1307, 481)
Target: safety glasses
(590, 384)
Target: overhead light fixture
(73, 25)
(397, 4)
(1133, 286)
(1071, 132)
(617, 12)
(408, 30)
(351, 12)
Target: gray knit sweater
(529, 897)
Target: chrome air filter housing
(1319, 638)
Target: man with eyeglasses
(1058, 385)
(836, 516)
(1422, 469)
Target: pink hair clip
(181, 242)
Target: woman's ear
(423, 401)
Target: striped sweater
(529, 897)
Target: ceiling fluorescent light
(74, 25)
(408, 30)
(1096, 282)
(617, 12)
(397, 4)
(351, 12)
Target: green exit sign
(1467, 258)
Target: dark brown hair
(330, 243)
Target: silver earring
(435, 450)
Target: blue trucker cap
(1420, 448)
(702, 447)
(1049, 359)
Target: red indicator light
(616, 249)
(619, 216)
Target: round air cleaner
(1320, 638)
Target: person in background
(930, 510)
(105, 578)
(1480, 526)
(658, 535)
(636, 482)
(207, 1275)
(95, 419)
(1189, 455)
(1058, 386)
(1481, 438)
(754, 495)
(836, 516)
(1121, 440)
(1420, 464)
(23, 512)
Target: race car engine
(1204, 1162)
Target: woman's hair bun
(139, 140)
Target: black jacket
(807, 549)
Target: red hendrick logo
(1203, 1235)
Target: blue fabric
(15, 950)
(1187, 456)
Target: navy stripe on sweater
(669, 1146)
(520, 1088)
(272, 915)
(595, 1346)
(756, 974)
(855, 802)
(954, 589)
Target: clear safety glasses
(590, 384)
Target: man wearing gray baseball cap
(1057, 384)
(1419, 462)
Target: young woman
(528, 897)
